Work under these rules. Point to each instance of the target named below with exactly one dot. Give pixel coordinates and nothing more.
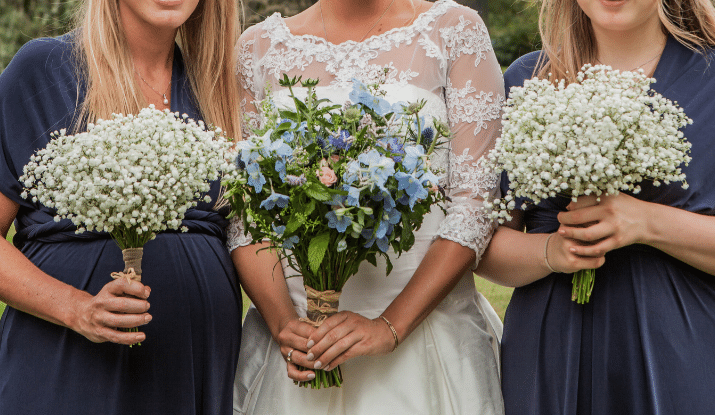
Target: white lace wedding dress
(450, 363)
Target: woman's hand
(600, 227)
(122, 303)
(293, 341)
(346, 335)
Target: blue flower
(278, 229)
(342, 141)
(290, 242)
(396, 146)
(255, 178)
(353, 196)
(275, 199)
(280, 167)
(413, 157)
(278, 148)
(427, 137)
(382, 243)
(239, 163)
(412, 186)
(379, 168)
(387, 223)
(338, 222)
(361, 94)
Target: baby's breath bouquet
(130, 176)
(333, 185)
(601, 135)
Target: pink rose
(327, 176)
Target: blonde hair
(207, 42)
(568, 40)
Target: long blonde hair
(568, 40)
(207, 42)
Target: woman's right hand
(122, 303)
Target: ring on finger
(290, 353)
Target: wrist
(393, 332)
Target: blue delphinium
(339, 222)
(255, 177)
(289, 243)
(275, 199)
(412, 185)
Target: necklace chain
(166, 100)
(642, 64)
(325, 31)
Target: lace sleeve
(474, 96)
(236, 236)
(246, 74)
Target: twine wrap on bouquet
(132, 264)
(321, 305)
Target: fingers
(297, 364)
(582, 202)
(126, 286)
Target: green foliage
(23, 20)
(513, 27)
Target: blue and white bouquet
(334, 185)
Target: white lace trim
(235, 234)
(467, 225)
(465, 107)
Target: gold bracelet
(392, 329)
(546, 253)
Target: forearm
(262, 278)
(514, 258)
(441, 268)
(25, 287)
(687, 236)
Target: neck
(348, 11)
(151, 48)
(632, 50)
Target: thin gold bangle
(392, 329)
(546, 253)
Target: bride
(421, 340)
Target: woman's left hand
(605, 225)
(346, 335)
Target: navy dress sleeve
(186, 365)
(643, 344)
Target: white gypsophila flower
(603, 134)
(132, 173)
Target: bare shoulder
(305, 22)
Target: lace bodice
(445, 56)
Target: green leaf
(317, 192)
(294, 223)
(408, 238)
(316, 250)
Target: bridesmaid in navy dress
(60, 349)
(644, 342)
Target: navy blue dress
(187, 363)
(645, 342)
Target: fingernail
(326, 368)
(310, 356)
(311, 343)
(318, 365)
(311, 376)
(147, 318)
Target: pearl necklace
(166, 100)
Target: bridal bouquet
(601, 135)
(333, 185)
(131, 176)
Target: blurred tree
(22, 20)
(514, 28)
